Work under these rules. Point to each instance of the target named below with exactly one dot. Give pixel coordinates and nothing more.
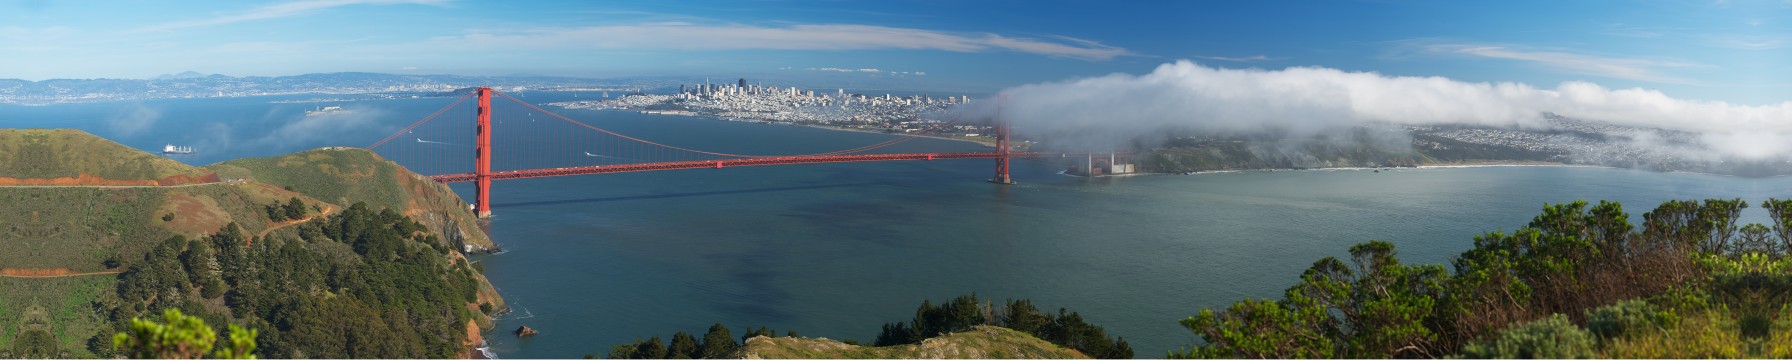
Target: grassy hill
(98, 211)
(983, 342)
(343, 176)
(73, 156)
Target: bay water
(835, 250)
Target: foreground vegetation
(981, 342)
(950, 330)
(1578, 281)
(361, 284)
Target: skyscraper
(743, 83)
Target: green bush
(1627, 318)
(182, 337)
(1550, 338)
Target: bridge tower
(482, 156)
(1003, 151)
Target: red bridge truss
(572, 144)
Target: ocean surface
(835, 250)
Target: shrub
(1550, 338)
(1627, 318)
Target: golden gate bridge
(577, 148)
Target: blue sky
(1733, 51)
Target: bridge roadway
(719, 164)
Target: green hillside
(345, 175)
(68, 153)
(85, 257)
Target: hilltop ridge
(346, 175)
(74, 157)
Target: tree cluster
(1573, 264)
(294, 209)
(717, 343)
(360, 284)
(963, 313)
(1065, 328)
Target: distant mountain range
(192, 84)
(197, 85)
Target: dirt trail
(283, 224)
(50, 273)
(4, 185)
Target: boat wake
(588, 153)
(438, 142)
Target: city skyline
(1722, 51)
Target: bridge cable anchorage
(432, 116)
(612, 133)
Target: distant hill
(90, 244)
(982, 342)
(195, 85)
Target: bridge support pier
(482, 156)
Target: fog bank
(1115, 109)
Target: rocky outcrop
(525, 331)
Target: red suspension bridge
(539, 143)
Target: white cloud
(865, 70)
(1619, 68)
(275, 11)
(1749, 42)
(1316, 100)
(1253, 58)
(686, 36)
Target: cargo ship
(171, 149)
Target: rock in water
(524, 331)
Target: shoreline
(699, 115)
(1457, 165)
(838, 128)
